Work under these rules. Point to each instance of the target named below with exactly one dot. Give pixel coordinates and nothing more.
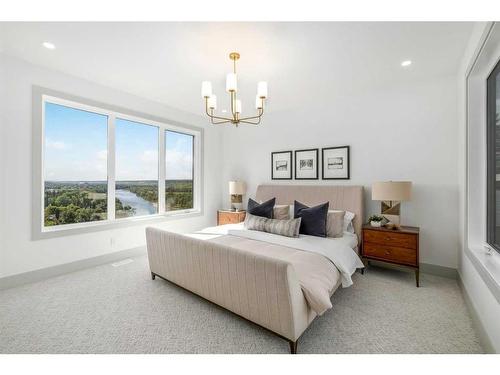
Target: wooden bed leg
(293, 347)
(152, 276)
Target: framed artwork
(306, 164)
(335, 163)
(281, 165)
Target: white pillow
(348, 217)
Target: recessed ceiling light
(406, 63)
(48, 45)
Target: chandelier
(232, 88)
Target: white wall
(472, 190)
(18, 253)
(3, 140)
(398, 132)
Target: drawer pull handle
(387, 252)
(388, 238)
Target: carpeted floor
(121, 310)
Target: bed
(280, 283)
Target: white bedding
(338, 250)
(348, 239)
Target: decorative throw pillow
(348, 218)
(280, 212)
(335, 223)
(288, 228)
(313, 218)
(263, 209)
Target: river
(142, 206)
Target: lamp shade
(212, 102)
(206, 89)
(262, 89)
(231, 82)
(391, 191)
(237, 187)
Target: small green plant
(376, 218)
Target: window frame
(42, 96)
(491, 112)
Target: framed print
(306, 164)
(281, 165)
(335, 163)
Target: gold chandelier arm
(218, 122)
(261, 112)
(250, 122)
(212, 116)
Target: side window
(75, 166)
(493, 159)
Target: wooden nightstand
(398, 247)
(230, 217)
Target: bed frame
(263, 290)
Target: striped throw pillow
(288, 228)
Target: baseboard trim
(431, 269)
(484, 339)
(434, 269)
(45, 273)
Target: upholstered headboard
(347, 198)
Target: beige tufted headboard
(347, 198)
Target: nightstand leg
(364, 264)
(417, 277)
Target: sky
(76, 148)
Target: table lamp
(391, 194)
(237, 189)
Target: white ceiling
(302, 62)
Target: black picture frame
(348, 163)
(272, 165)
(317, 164)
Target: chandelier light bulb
(206, 89)
(262, 89)
(258, 102)
(238, 106)
(212, 102)
(231, 82)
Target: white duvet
(338, 250)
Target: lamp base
(236, 202)
(391, 210)
(236, 206)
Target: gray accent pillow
(313, 218)
(335, 223)
(281, 212)
(288, 228)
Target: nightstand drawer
(393, 238)
(390, 253)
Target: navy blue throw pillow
(264, 209)
(313, 220)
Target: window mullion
(161, 171)
(111, 166)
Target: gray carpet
(121, 310)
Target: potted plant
(376, 220)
